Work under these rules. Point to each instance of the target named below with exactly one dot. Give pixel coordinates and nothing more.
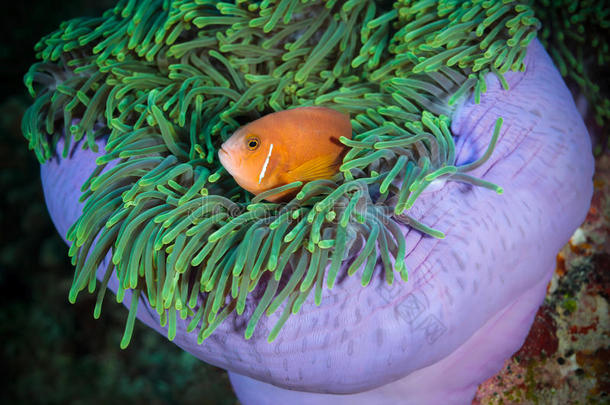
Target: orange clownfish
(301, 144)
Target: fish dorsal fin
(321, 167)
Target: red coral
(542, 339)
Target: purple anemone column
(470, 298)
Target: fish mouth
(226, 160)
(223, 155)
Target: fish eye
(253, 142)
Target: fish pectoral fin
(322, 167)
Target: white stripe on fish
(264, 169)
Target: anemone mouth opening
(171, 81)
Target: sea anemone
(150, 90)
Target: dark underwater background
(53, 352)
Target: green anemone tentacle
(576, 35)
(167, 81)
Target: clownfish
(301, 144)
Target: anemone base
(481, 356)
